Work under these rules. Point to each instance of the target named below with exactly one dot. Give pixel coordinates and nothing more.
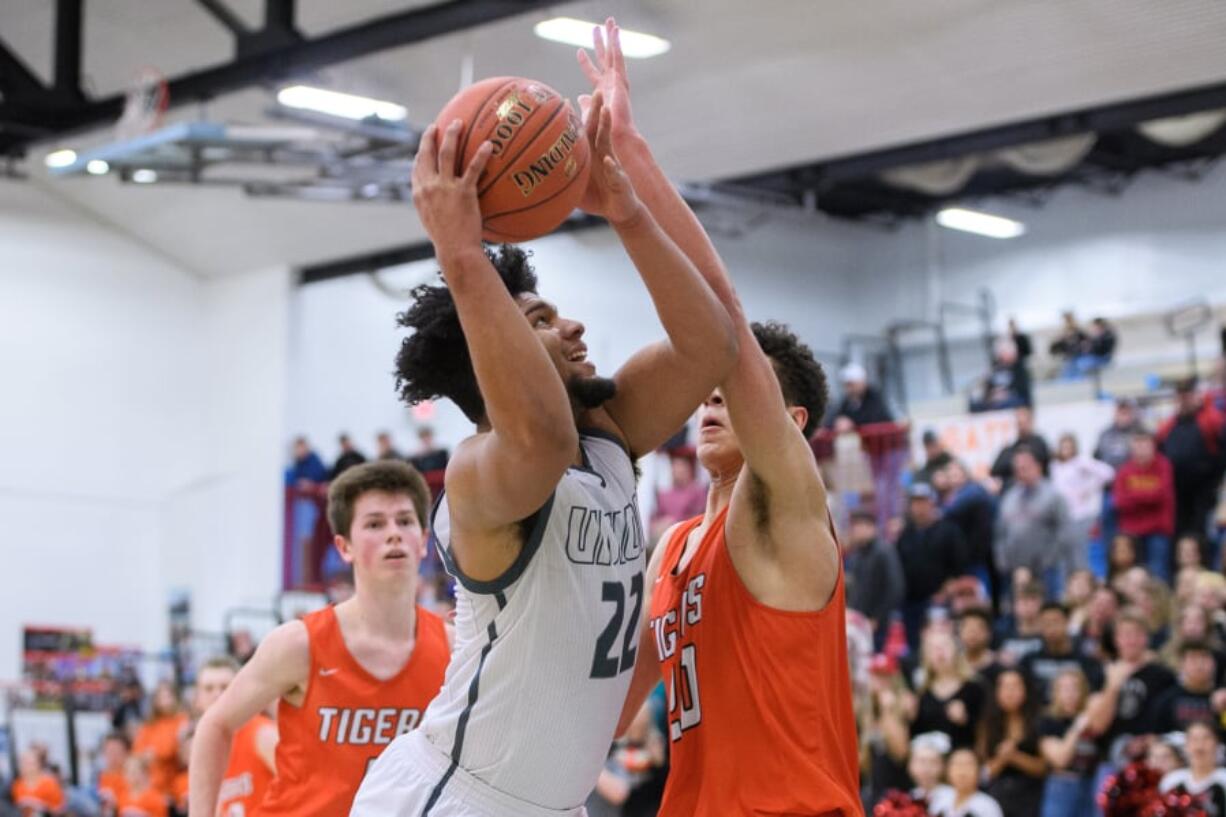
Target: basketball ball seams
(510, 160)
(540, 202)
(472, 125)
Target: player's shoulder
(288, 642)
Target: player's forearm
(697, 325)
(507, 356)
(675, 217)
(210, 756)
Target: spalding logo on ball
(538, 169)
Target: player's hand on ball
(446, 202)
(607, 73)
(609, 192)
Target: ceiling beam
(17, 81)
(68, 51)
(280, 58)
(226, 16)
(406, 253)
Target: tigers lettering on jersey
(360, 727)
(684, 701)
(233, 788)
(672, 625)
(599, 537)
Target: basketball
(539, 166)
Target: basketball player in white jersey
(538, 521)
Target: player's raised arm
(280, 666)
(505, 475)
(772, 442)
(660, 385)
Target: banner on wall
(976, 439)
(61, 660)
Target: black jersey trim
(531, 544)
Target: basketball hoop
(144, 105)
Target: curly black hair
(434, 361)
(800, 375)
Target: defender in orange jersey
(350, 678)
(252, 755)
(747, 612)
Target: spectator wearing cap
(861, 404)
(1027, 437)
(1194, 440)
(1034, 529)
(349, 457)
(932, 551)
(1114, 447)
(1144, 499)
(875, 585)
(1008, 383)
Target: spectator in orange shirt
(142, 799)
(35, 792)
(112, 782)
(157, 741)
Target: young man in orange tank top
(348, 678)
(253, 754)
(747, 614)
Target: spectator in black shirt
(875, 585)
(1008, 384)
(1193, 697)
(1058, 653)
(1068, 744)
(429, 456)
(1025, 348)
(975, 636)
(1193, 440)
(1027, 438)
(861, 404)
(385, 449)
(1009, 746)
(1135, 680)
(936, 457)
(950, 699)
(350, 456)
(932, 551)
(1022, 634)
(1071, 342)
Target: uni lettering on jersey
(599, 537)
(361, 727)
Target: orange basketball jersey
(247, 776)
(347, 718)
(44, 794)
(760, 718)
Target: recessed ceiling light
(972, 221)
(635, 44)
(144, 176)
(349, 106)
(97, 167)
(60, 158)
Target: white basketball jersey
(543, 656)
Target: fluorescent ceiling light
(144, 176)
(60, 158)
(97, 167)
(972, 221)
(568, 30)
(338, 104)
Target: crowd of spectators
(1010, 670)
(308, 468)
